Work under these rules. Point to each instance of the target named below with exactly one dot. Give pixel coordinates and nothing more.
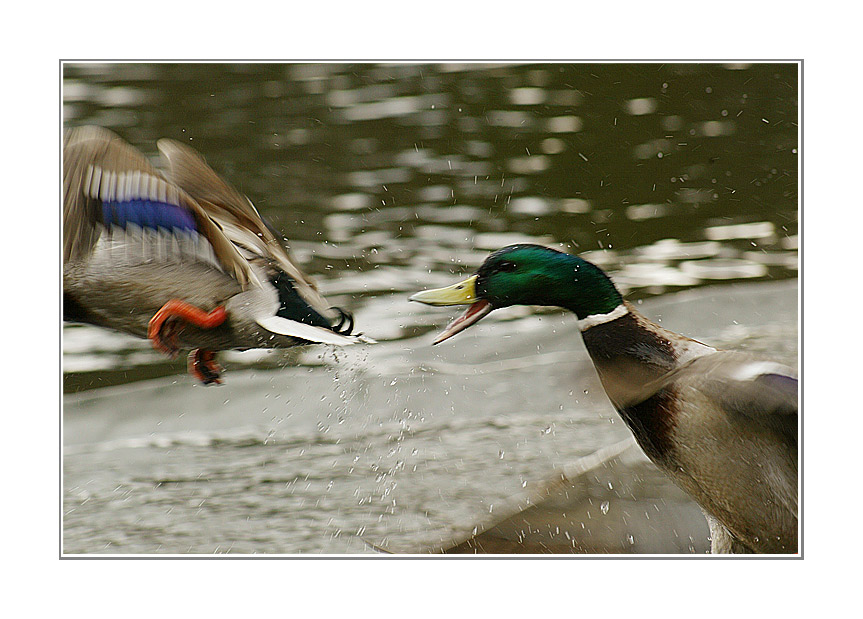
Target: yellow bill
(462, 293)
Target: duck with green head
(721, 424)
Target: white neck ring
(599, 319)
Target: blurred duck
(721, 424)
(182, 259)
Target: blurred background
(679, 179)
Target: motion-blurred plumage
(183, 258)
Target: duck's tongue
(471, 316)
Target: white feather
(120, 194)
(104, 186)
(133, 185)
(283, 326)
(133, 178)
(88, 182)
(152, 189)
(598, 319)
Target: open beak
(462, 293)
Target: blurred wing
(761, 391)
(92, 158)
(758, 390)
(108, 187)
(236, 215)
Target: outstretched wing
(92, 158)
(109, 186)
(761, 391)
(237, 216)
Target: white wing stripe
(104, 182)
(88, 180)
(153, 187)
(283, 326)
(121, 187)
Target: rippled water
(387, 179)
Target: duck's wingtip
(309, 333)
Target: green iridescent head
(527, 275)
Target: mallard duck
(721, 424)
(182, 259)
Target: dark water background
(388, 179)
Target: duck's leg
(202, 365)
(169, 321)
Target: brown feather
(84, 148)
(94, 150)
(235, 213)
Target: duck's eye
(507, 266)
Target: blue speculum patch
(148, 214)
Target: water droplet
(604, 507)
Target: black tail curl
(346, 322)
